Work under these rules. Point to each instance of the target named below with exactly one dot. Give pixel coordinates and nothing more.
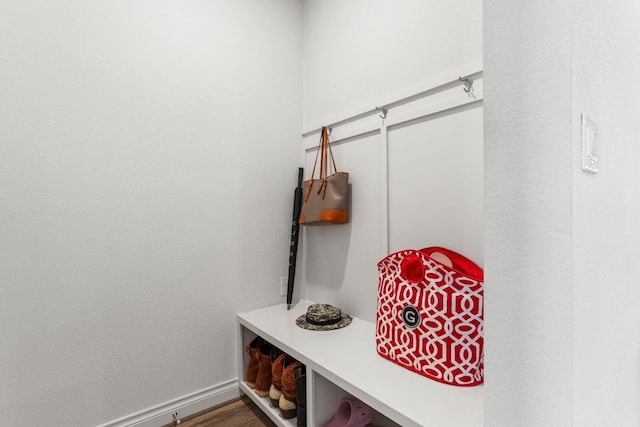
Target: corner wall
(147, 152)
(562, 323)
(528, 213)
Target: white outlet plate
(283, 286)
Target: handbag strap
(324, 152)
(328, 149)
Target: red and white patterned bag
(430, 314)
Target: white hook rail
(434, 85)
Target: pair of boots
(253, 350)
(274, 374)
(288, 388)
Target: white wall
(149, 154)
(359, 51)
(606, 230)
(357, 55)
(561, 318)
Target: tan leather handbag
(326, 199)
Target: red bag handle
(412, 268)
(459, 262)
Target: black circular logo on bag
(411, 316)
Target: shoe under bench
(344, 362)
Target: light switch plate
(589, 145)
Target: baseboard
(186, 405)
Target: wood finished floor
(241, 412)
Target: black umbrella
(295, 228)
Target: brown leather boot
(253, 350)
(287, 402)
(263, 382)
(277, 365)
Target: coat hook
(384, 112)
(329, 129)
(468, 83)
